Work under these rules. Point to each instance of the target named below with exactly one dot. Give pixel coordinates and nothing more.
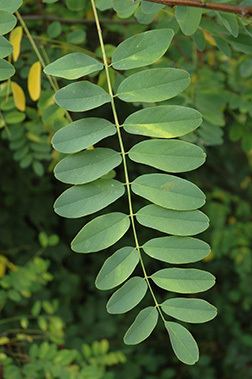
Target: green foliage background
(51, 313)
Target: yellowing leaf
(209, 38)
(18, 96)
(15, 39)
(34, 81)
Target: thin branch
(240, 10)
(43, 17)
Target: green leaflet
(163, 121)
(183, 343)
(117, 268)
(230, 22)
(81, 134)
(169, 191)
(87, 166)
(150, 8)
(73, 66)
(183, 280)
(177, 250)
(100, 233)
(142, 327)
(81, 96)
(79, 201)
(142, 49)
(189, 310)
(128, 296)
(188, 19)
(179, 223)
(6, 70)
(153, 85)
(103, 5)
(5, 47)
(170, 156)
(7, 22)
(10, 6)
(124, 8)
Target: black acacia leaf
(175, 201)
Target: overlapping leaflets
(175, 200)
(7, 23)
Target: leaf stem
(126, 174)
